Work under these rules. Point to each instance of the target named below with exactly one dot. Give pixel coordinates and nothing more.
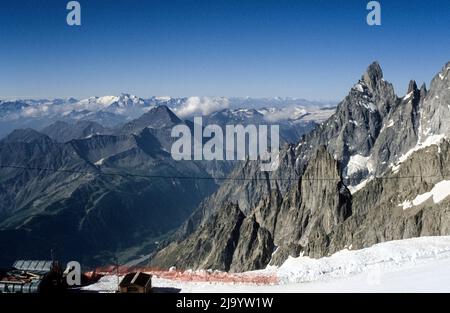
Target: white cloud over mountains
(282, 114)
(202, 105)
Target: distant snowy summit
(112, 110)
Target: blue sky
(310, 49)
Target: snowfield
(379, 258)
(410, 265)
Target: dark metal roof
(138, 279)
(141, 279)
(33, 265)
(25, 276)
(126, 280)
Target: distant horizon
(222, 48)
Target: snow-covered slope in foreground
(410, 265)
(380, 257)
(433, 276)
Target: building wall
(134, 289)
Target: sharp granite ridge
(355, 173)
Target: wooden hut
(136, 282)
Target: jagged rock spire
(412, 87)
(423, 90)
(373, 75)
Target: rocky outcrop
(229, 241)
(254, 248)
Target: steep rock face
(308, 216)
(370, 136)
(323, 192)
(254, 248)
(211, 246)
(229, 241)
(399, 132)
(320, 204)
(436, 108)
(248, 187)
(380, 213)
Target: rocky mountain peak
(423, 91)
(373, 75)
(412, 87)
(414, 94)
(435, 109)
(163, 111)
(62, 131)
(27, 135)
(446, 68)
(158, 117)
(442, 79)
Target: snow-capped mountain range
(111, 111)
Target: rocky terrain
(363, 176)
(90, 192)
(89, 197)
(95, 183)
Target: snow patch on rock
(358, 87)
(361, 185)
(358, 163)
(429, 141)
(439, 192)
(100, 162)
(408, 96)
(368, 105)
